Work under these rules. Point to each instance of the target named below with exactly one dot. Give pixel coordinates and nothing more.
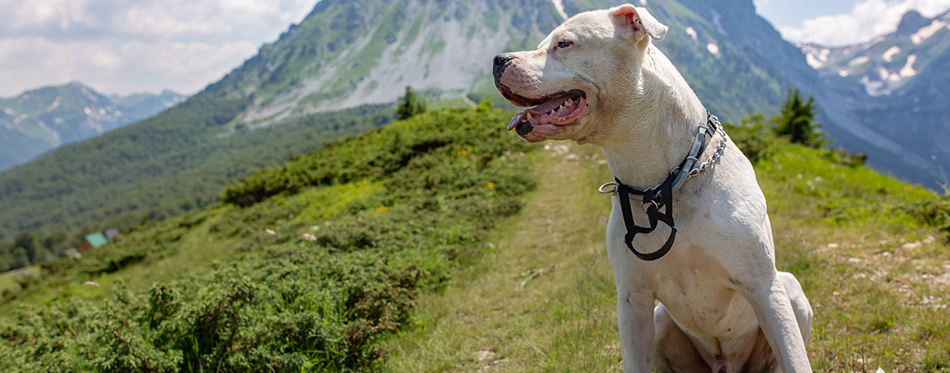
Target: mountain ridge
(896, 86)
(42, 119)
(347, 53)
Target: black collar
(661, 196)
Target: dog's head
(578, 73)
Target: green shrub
(386, 215)
(754, 137)
(934, 212)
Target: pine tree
(27, 241)
(797, 120)
(410, 104)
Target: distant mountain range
(42, 119)
(898, 86)
(348, 53)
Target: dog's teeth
(527, 116)
(569, 102)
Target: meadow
(443, 243)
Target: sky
(841, 22)
(130, 46)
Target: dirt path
(542, 299)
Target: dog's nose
(501, 59)
(501, 62)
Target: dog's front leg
(777, 319)
(635, 316)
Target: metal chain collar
(719, 150)
(712, 121)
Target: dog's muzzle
(501, 63)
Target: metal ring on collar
(602, 189)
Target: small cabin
(91, 241)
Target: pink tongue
(537, 110)
(548, 106)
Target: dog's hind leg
(778, 321)
(800, 305)
(673, 351)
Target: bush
(753, 137)
(796, 121)
(934, 212)
(416, 200)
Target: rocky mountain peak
(911, 22)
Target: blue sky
(786, 13)
(841, 22)
(126, 46)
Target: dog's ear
(638, 21)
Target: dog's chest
(698, 297)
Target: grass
(534, 293)
(194, 253)
(325, 257)
(877, 277)
(8, 280)
(543, 299)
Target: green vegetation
(406, 249)
(410, 104)
(872, 266)
(153, 170)
(796, 121)
(321, 262)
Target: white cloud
(868, 19)
(125, 46)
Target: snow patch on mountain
(559, 5)
(908, 70)
(890, 53)
(692, 33)
(717, 21)
(859, 61)
(927, 31)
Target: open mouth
(558, 109)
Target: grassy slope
(306, 278)
(544, 300)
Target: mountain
(898, 86)
(42, 119)
(349, 53)
(182, 158)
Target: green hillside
(308, 278)
(39, 120)
(160, 167)
(443, 243)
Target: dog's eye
(563, 44)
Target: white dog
(723, 307)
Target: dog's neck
(655, 130)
